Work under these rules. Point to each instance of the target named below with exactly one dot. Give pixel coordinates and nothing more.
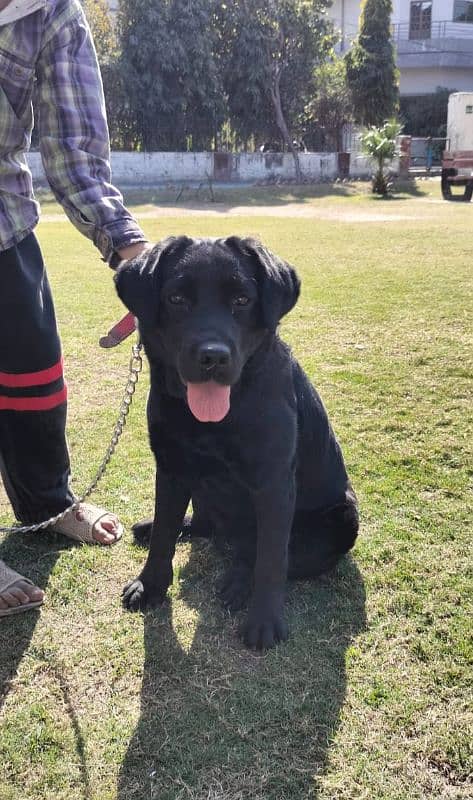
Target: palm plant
(379, 144)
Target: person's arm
(73, 132)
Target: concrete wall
(360, 165)
(148, 169)
(258, 166)
(417, 80)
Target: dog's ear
(138, 281)
(278, 281)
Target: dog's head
(204, 306)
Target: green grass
(371, 696)
(223, 197)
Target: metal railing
(444, 29)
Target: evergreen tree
(243, 66)
(169, 74)
(371, 69)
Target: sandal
(79, 524)
(8, 580)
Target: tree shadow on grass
(218, 721)
(222, 198)
(402, 189)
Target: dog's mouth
(209, 401)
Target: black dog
(235, 426)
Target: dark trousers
(34, 460)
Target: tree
(105, 40)
(169, 73)
(273, 48)
(106, 44)
(330, 108)
(425, 114)
(379, 143)
(371, 70)
(242, 63)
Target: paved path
(289, 210)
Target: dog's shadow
(220, 721)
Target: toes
(20, 594)
(34, 592)
(104, 537)
(107, 530)
(133, 595)
(10, 600)
(110, 523)
(137, 597)
(261, 635)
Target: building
(433, 40)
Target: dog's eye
(177, 299)
(241, 300)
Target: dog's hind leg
(318, 540)
(142, 531)
(199, 524)
(194, 526)
(237, 583)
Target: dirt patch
(294, 210)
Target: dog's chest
(196, 451)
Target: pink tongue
(209, 402)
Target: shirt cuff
(116, 236)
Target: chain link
(136, 364)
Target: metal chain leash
(136, 364)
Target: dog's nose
(213, 354)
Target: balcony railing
(445, 29)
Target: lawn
(371, 696)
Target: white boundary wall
(148, 169)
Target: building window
(420, 23)
(463, 11)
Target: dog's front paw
(236, 588)
(137, 597)
(263, 629)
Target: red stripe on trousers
(33, 403)
(40, 378)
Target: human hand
(124, 327)
(133, 250)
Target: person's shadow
(33, 556)
(220, 721)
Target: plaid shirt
(51, 49)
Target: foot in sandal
(90, 524)
(17, 594)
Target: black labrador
(235, 426)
